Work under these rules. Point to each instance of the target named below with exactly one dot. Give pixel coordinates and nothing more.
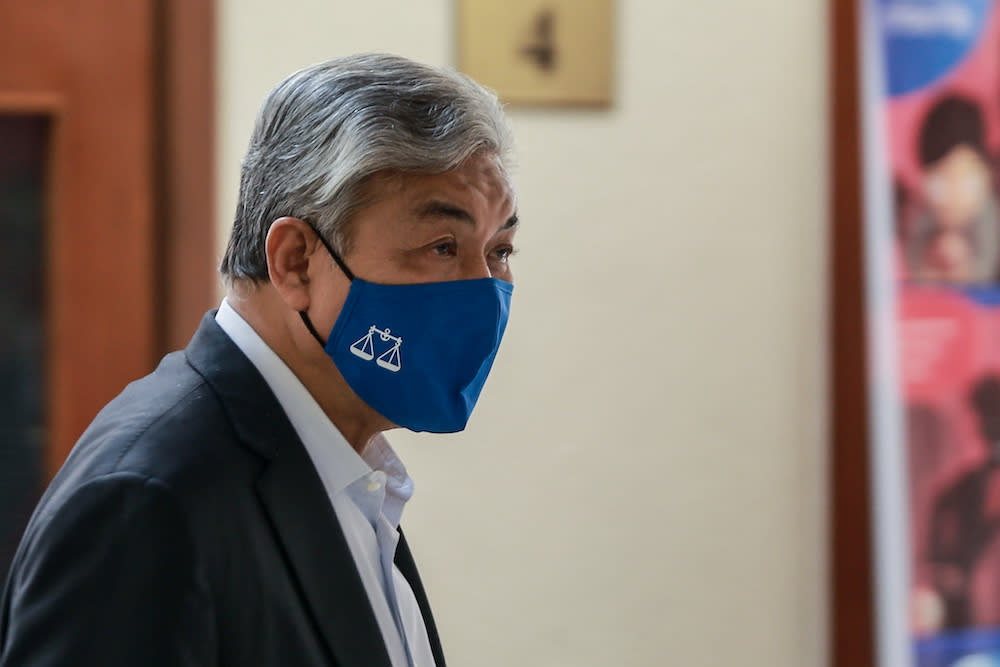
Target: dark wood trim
(852, 635)
(32, 102)
(184, 34)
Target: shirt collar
(335, 460)
(398, 483)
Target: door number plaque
(552, 52)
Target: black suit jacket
(189, 527)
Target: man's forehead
(484, 173)
(479, 178)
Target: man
(240, 505)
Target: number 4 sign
(547, 52)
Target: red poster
(935, 132)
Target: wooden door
(91, 146)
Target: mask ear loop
(343, 267)
(333, 253)
(312, 329)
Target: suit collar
(338, 465)
(249, 403)
(294, 499)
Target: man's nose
(476, 266)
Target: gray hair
(326, 130)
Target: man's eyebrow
(439, 209)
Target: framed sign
(547, 52)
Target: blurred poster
(931, 82)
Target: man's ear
(290, 245)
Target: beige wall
(644, 481)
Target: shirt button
(375, 480)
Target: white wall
(644, 480)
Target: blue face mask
(418, 354)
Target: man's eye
(504, 253)
(444, 249)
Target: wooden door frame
(852, 618)
(184, 140)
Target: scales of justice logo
(364, 347)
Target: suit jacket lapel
(322, 559)
(408, 568)
(295, 500)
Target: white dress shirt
(367, 493)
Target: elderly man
(240, 506)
